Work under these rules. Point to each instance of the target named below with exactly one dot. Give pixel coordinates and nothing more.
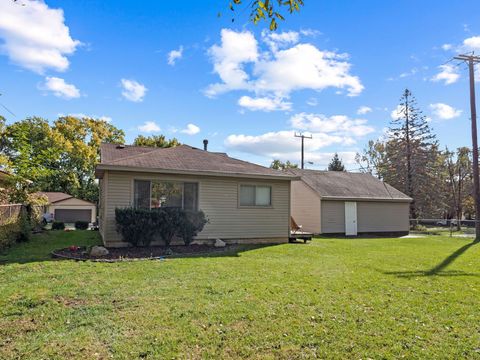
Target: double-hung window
(255, 195)
(160, 194)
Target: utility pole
(303, 139)
(472, 60)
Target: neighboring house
(244, 202)
(337, 202)
(66, 208)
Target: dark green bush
(194, 221)
(81, 225)
(24, 226)
(140, 226)
(137, 226)
(58, 225)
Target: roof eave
(356, 198)
(99, 170)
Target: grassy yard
(333, 298)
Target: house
(244, 202)
(69, 209)
(337, 202)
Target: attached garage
(332, 202)
(68, 209)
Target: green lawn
(332, 298)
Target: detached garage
(68, 209)
(336, 202)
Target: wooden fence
(10, 213)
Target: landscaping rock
(219, 243)
(97, 251)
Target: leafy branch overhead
(268, 10)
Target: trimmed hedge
(81, 225)
(58, 225)
(139, 227)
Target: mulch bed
(139, 253)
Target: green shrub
(81, 225)
(24, 227)
(140, 226)
(58, 225)
(8, 234)
(137, 226)
(194, 221)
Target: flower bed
(138, 253)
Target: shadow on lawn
(25, 254)
(439, 269)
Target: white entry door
(350, 218)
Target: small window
(252, 195)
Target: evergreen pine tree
(336, 164)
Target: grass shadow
(40, 248)
(439, 269)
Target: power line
(7, 108)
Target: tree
(459, 167)
(268, 10)
(409, 159)
(413, 153)
(279, 165)
(372, 159)
(155, 141)
(61, 157)
(81, 139)
(336, 164)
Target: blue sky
(335, 70)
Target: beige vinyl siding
(382, 216)
(305, 207)
(333, 216)
(74, 204)
(101, 206)
(218, 198)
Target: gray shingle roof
(348, 185)
(181, 158)
(54, 197)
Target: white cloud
(362, 110)
(264, 103)
(274, 144)
(35, 36)
(448, 74)
(337, 124)
(397, 112)
(447, 47)
(175, 55)
(444, 111)
(276, 72)
(107, 119)
(149, 127)
(471, 44)
(133, 90)
(312, 102)
(191, 129)
(236, 49)
(279, 40)
(283, 145)
(60, 88)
